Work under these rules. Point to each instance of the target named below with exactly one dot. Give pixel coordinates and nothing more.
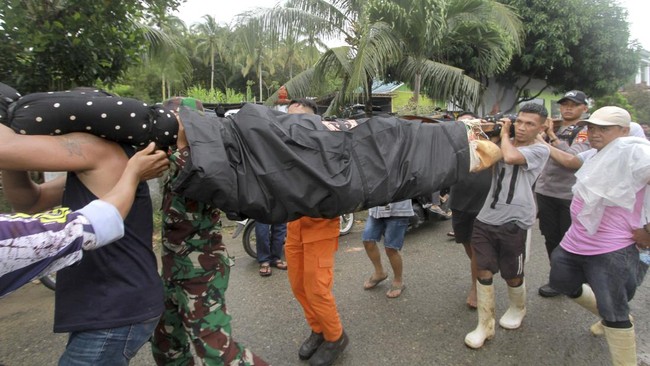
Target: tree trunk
(211, 68)
(162, 87)
(368, 93)
(416, 91)
(259, 72)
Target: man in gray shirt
(499, 234)
(553, 188)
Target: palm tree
(254, 49)
(370, 46)
(166, 52)
(480, 36)
(212, 41)
(409, 37)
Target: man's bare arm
(71, 152)
(28, 197)
(77, 152)
(563, 158)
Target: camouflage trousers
(195, 326)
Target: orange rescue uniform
(309, 249)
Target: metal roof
(380, 87)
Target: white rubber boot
(517, 310)
(588, 301)
(598, 329)
(622, 345)
(485, 307)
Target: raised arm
(563, 158)
(144, 165)
(511, 155)
(78, 152)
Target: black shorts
(462, 223)
(500, 248)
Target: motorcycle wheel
(49, 281)
(249, 241)
(418, 218)
(347, 223)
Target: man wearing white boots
(499, 235)
(597, 262)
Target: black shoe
(547, 291)
(328, 352)
(310, 345)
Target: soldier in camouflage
(195, 326)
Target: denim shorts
(392, 228)
(612, 276)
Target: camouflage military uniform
(195, 327)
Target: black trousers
(554, 220)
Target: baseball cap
(574, 95)
(609, 116)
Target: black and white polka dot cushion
(117, 119)
(8, 95)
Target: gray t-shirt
(401, 208)
(511, 195)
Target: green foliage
(639, 98)
(215, 95)
(574, 44)
(616, 99)
(420, 109)
(58, 44)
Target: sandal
(265, 269)
(279, 264)
(372, 283)
(395, 291)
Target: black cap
(575, 96)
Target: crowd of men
(112, 300)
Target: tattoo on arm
(73, 144)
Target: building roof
(380, 87)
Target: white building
(643, 74)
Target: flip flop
(265, 269)
(393, 288)
(279, 264)
(372, 283)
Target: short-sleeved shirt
(511, 196)
(401, 208)
(614, 232)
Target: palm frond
(299, 86)
(441, 81)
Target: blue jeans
(392, 228)
(106, 347)
(612, 276)
(270, 241)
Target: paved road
(425, 326)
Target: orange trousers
(309, 250)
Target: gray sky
(224, 11)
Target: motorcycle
(423, 212)
(247, 227)
(49, 281)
